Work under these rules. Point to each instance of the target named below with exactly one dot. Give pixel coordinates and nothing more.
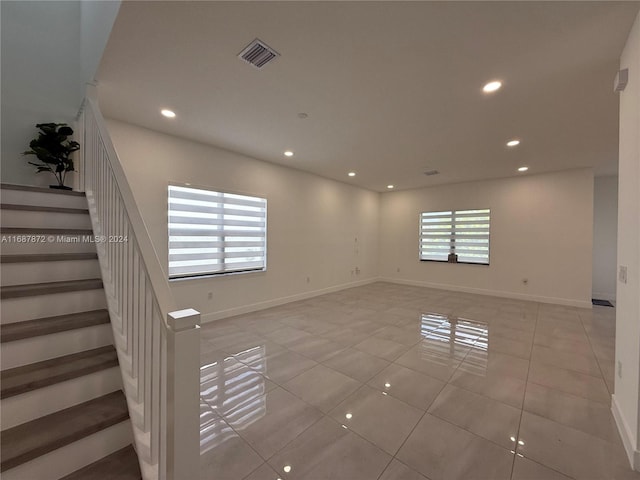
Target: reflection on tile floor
(390, 382)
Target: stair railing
(158, 345)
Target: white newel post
(183, 395)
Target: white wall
(626, 400)
(40, 78)
(50, 50)
(96, 21)
(312, 222)
(541, 230)
(605, 237)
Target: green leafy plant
(53, 148)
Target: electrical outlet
(525, 281)
(619, 369)
(308, 279)
(210, 295)
(398, 269)
(622, 274)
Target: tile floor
(390, 382)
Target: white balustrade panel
(158, 346)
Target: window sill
(215, 275)
(456, 263)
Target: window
(214, 233)
(461, 232)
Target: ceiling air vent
(258, 53)
(429, 173)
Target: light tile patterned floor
(391, 382)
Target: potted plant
(54, 150)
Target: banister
(149, 254)
(158, 346)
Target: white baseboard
(213, 316)
(253, 307)
(494, 293)
(626, 433)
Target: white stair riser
(28, 218)
(74, 456)
(40, 306)
(20, 197)
(37, 349)
(37, 272)
(42, 242)
(43, 401)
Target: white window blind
(463, 232)
(214, 232)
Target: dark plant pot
(60, 187)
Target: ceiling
(391, 89)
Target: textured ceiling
(391, 89)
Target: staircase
(63, 411)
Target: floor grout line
(595, 356)
(524, 397)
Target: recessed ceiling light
(389, 186)
(288, 153)
(513, 143)
(352, 174)
(168, 113)
(348, 416)
(492, 86)
(287, 468)
(523, 169)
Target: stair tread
(48, 288)
(45, 231)
(33, 188)
(120, 465)
(41, 208)
(10, 332)
(47, 257)
(30, 440)
(16, 381)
